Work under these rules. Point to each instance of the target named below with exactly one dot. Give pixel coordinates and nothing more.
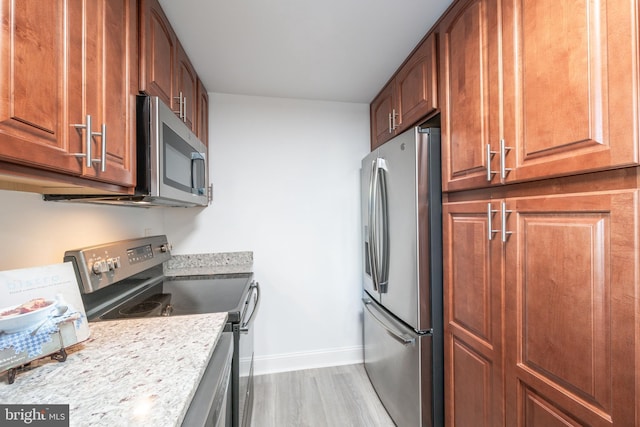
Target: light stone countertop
(209, 264)
(134, 372)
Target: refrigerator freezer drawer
(392, 359)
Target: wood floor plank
(340, 396)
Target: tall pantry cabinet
(539, 104)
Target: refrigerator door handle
(372, 248)
(393, 334)
(383, 279)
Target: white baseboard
(307, 360)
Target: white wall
(34, 232)
(286, 186)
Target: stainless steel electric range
(125, 279)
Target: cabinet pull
(393, 119)
(87, 140)
(178, 98)
(88, 137)
(390, 125)
(103, 155)
(504, 171)
(490, 213)
(184, 109)
(504, 212)
(490, 155)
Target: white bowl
(22, 322)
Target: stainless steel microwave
(175, 160)
(171, 162)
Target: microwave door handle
(196, 157)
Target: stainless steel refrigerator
(402, 280)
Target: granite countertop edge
(129, 372)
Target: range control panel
(103, 265)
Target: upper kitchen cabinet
(187, 88)
(202, 120)
(382, 113)
(469, 91)
(165, 68)
(409, 97)
(111, 82)
(570, 87)
(66, 103)
(158, 53)
(552, 97)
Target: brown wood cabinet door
(381, 111)
(472, 315)
(469, 89)
(33, 101)
(158, 53)
(417, 85)
(187, 87)
(570, 86)
(572, 310)
(110, 60)
(202, 119)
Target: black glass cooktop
(174, 296)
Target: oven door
(246, 333)
(210, 404)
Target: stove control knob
(96, 267)
(100, 267)
(110, 264)
(116, 262)
(165, 247)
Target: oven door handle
(244, 326)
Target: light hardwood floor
(340, 396)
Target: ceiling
(334, 50)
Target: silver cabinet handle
(103, 154)
(490, 213)
(393, 119)
(390, 124)
(490, 155)
(504, 171)
(88, 138)
(184, 109)
(180, 111)
(393, 334)
(504, 212)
